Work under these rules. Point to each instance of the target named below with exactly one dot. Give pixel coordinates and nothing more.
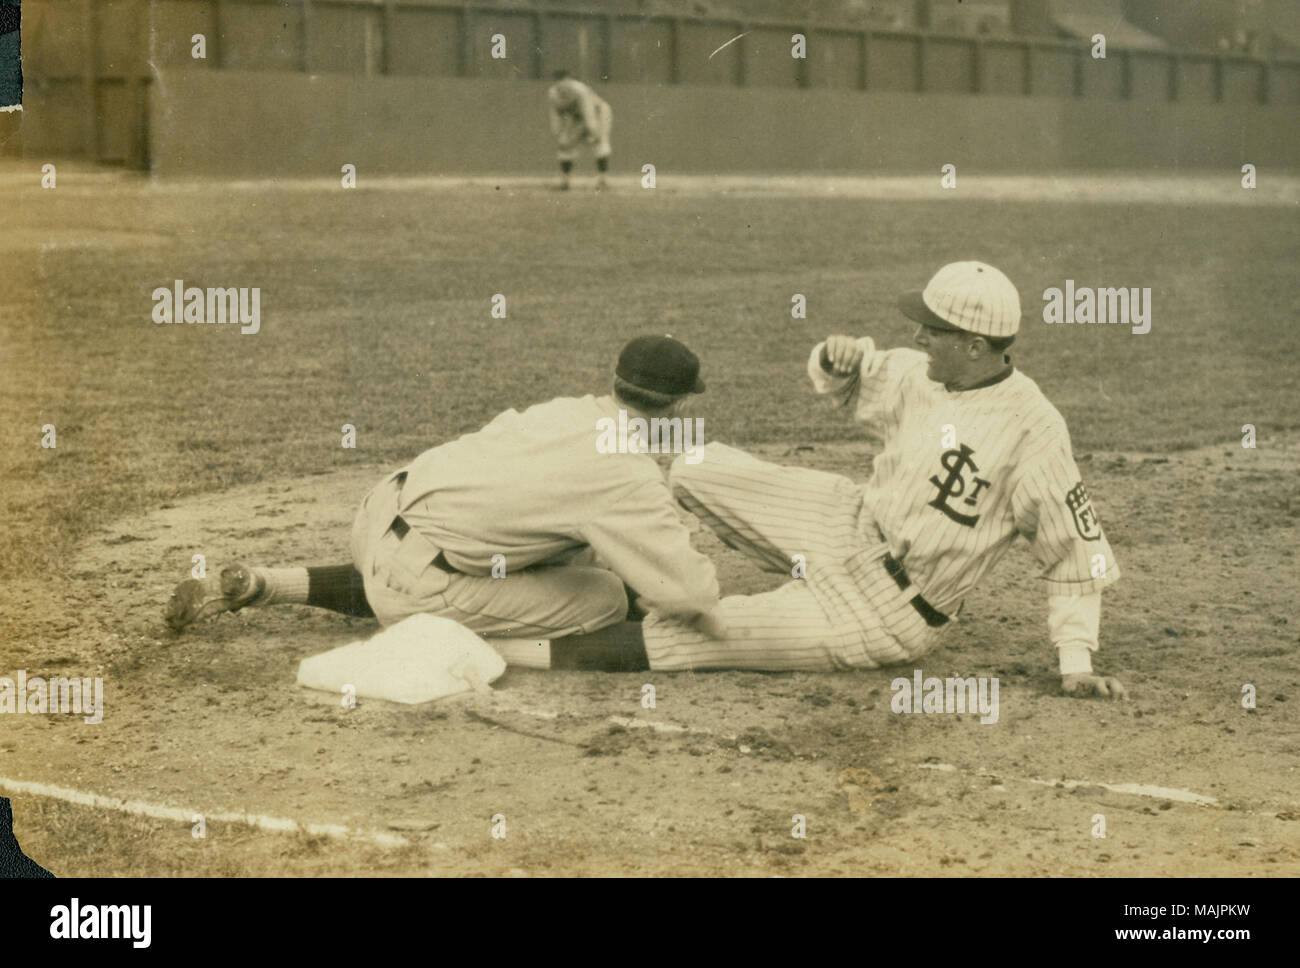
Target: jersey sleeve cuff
(1076, 658)
(1074, 621)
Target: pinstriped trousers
(846, 612)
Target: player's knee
(607, 602)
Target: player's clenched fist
(841, 355)
(1084, 685)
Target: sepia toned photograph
(650, 438)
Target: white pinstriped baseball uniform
(960, 474)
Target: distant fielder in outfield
(578, 115)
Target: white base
(419, 659)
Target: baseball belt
(933, 617)
(400, 528)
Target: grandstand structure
(90, 65)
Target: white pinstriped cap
(969, 296)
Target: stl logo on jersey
(954, 485)
(1079, 501)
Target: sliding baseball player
(973, 456)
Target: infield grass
(376, 312)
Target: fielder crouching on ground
(528, 532)
(972, 456)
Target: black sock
(618, 648)
(602, 164)
(635, 611)
(566, 166)
(338, 588)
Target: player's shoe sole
(201, 598)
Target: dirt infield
(709, 781)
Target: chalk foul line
(1133, 789)
(156, 811)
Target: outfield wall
(276, 123)
(90, 65)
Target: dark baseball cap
(661, 364)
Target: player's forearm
(682, 585)
(653, 556)
(1074, 622)
(587, 109)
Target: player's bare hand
(1082, 686)
(711, 624)
(841, 355)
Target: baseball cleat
(199, 598)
